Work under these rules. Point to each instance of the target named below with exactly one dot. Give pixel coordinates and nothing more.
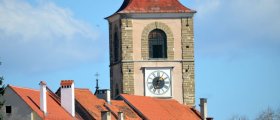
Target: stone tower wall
(127, 55)
(188, 61)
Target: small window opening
(8, 109)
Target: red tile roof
(120, 106)
(147, 107)
(90, 102)
(66, 82)
(158, 109)
(153, 6)
(32, 98)
(95, 105)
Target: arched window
(157, 44)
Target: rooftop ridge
(82, 89)
(153, 6)
(23, 87)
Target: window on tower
(157, 44)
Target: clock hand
(161, 77)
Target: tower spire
(96, 75)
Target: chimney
(104, 94)
(105, 115)
(120, 116)
(43, 97)
(209, 118)
(203, 108)
(68, 96)
(108, 96)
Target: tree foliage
(2, 88)
(239, 117)
(266, 114)
(269, 114)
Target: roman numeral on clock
(166, 82)
(166, 87)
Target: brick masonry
(144, 39)
(128, 79)
(188, 67)
(127, 54)
(121, 74)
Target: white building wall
(20, 110)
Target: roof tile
(158, 109)
(66, 82)
(153, 6)
(95, 105)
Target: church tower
(152, 50)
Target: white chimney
(203, 108)
(67, 94)
(43, 97)
(105, 115)
(108, 96)
(120, 116)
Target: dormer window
(157, 44)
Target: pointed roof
(153, 6)
(158, 109)
(32, 98)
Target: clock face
(158, 82)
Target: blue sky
(237, 48)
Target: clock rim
(169, 87)
(147, 92)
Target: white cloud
(259, 17)
(43, 36)
(42, 21)
(206, 7)
(238, 27)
